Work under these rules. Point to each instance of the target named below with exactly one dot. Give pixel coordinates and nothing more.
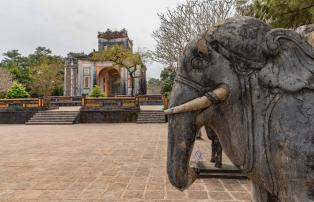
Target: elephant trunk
(182, 131)
(181, 137)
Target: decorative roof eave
(113, 34)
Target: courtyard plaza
(100, 162)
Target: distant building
(82, 73)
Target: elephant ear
(290, 61)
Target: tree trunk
(132, 84)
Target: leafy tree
(17, 91)
(40, 55)
(97, 92)
(47, 78)
(48, 72)
(34, 71)
(167, 77)
(123, 57)
(17, 66)
(280, 13)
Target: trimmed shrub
(97, 92)
(17, 91)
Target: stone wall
(17, 117)
(88, 116)
(108, 116)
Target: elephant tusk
(199, 103)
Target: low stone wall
(85, 116)
(112, 116)
(16, 117)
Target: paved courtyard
(99, 162)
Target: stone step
(140, 115)
(159, 116)
(144, 122)
(223, 175)
(49, 123)
(44, 114)
(151, 121)
(53, 114)
(47, 120)
(207, 169)
(146, 115)
(152, 112)
(151, 115)
(59, 111)
(54, 118)
(56, 115)
(151, 118)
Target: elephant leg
(211, 136)
(261, 195)
(218, 160)
(213, 152)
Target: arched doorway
(110, 81)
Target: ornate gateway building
(82, 73)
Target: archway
(109, 81)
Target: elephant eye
(198, 63)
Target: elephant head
(229, 79)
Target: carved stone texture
(266, 124)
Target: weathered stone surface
(266, 124)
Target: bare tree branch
(186, 21)
(6, 80)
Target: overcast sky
(72, 25)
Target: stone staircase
(151, 116)
(54, 118)
(208, 170)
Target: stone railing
(21, 103)
(110, 103)
(58, 101)
(150, 99)
(118, 102)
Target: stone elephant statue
(254, 87)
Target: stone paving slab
(99, 162)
